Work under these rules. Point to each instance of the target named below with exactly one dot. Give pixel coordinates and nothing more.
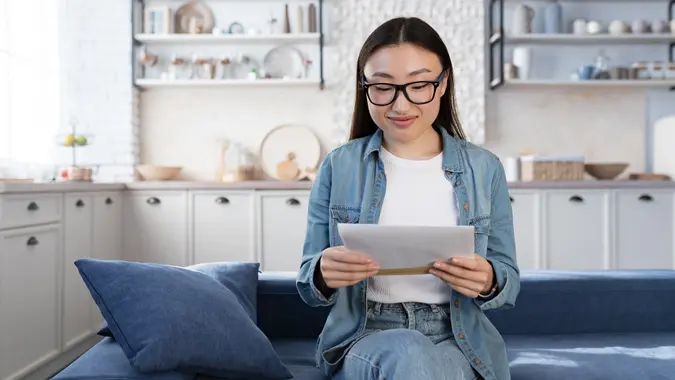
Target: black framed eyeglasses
(419, 92)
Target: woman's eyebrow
(389, 76)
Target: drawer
(20, 210)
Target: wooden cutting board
(16, 179)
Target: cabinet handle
(511, 199)
(108, 201)
(576, 199)
(33, 206)
(292, 202)
(79, 203)
(32, 241)
(222, 201)
(645, 198)
(153, 201)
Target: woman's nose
(401, 103)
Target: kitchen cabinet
(282, 221)
(30, 298)
(106, 237)
(223, 227)
(155, 227)
(644, 229)
(19, 210)
(78, 244)
(527, 229)
(576, 235)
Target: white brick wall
(95, 52)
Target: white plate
(287, 138)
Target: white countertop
(46, 187)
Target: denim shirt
(350, 187)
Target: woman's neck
(428, 145)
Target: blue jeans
(406, 341)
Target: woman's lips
(403, 121)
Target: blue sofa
(566, 325)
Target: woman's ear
(444, 83)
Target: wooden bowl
(158, 173)
(605, 171)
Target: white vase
(522, 58)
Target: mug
(579, 26)
(585, 72)
(510, 71)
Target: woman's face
(403, 120)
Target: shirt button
(457, 303)
(461, 336)
(477, 361)
(466, 206)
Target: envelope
(407, 250)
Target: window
(29, 80)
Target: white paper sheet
(402, 247)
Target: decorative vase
(522, 58)
(553, 18)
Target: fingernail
(437, 265)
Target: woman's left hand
(469, 276)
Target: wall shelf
(227, 38)
(140, 39)
(651, 83)
(197, 83)
(497, 40)
(573, 39)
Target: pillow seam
(112, 317)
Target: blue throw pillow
(169, 318)
(240, 277)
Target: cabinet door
(283, 222)
(644, 229)
(577, 227)
(29, 298)
(526, 225)
(78, 221)
(155, 227)
(107, 237)
(223, 227)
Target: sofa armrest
(281, 311)
(567, 302)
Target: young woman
(408, 164)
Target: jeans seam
(367, 361)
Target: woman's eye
(383, 88)
(420, 86)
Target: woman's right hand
(341, 267)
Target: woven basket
(543, 169)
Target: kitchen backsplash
(549, 123)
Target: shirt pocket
(482, 231)
(341, 214)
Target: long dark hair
(399, 31)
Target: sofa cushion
(648, 356)
(107, 361)
(169, 318)
(240, 278)
(298, 356)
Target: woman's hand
(469, 276)
(341, 267)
